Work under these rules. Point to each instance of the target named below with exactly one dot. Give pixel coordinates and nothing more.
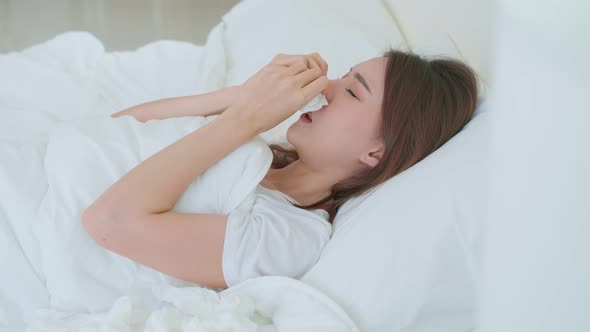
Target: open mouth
(306, 117)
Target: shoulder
(267, 237)
(280, 200)
(264, 214)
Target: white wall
(457, 28)
(536, 265)
(120, 24)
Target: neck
(305, 185)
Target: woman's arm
(133, 218)
(155, 185)
(210, 103)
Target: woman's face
(344, 133)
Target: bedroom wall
(121, 25)
(458, 28)
(536, 253)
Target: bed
(69, 82)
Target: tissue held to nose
(315, 103)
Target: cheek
(349, 130)
(350, 123)
(336, 141)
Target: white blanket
(59, 150)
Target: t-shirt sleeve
(263, 238)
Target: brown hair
(425, 103)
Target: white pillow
(410, 246)
(343, 32)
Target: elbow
(98, 222)
(91, 219)
(108, 228)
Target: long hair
(425, 103)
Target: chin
(294, 136)
(289, 135)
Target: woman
(383, 116)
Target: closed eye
(349, 90)
(352, 93)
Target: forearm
(156, 184)
(210, 103)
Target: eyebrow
(361, 79)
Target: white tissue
(315, 104)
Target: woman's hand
(277, 91)
(313, 60)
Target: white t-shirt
(266, 235)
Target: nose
(328, 92)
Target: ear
(373, 156)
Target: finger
(313, 62)
(296, 69)
(307, 61)
(317, 59)
(116, 115)
(286, 61)
(308, 76)
(315, 87)
(322, 62)
(292, 60)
